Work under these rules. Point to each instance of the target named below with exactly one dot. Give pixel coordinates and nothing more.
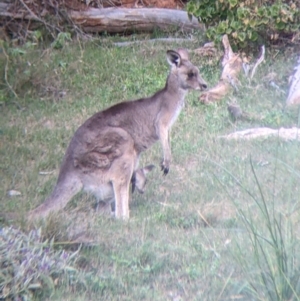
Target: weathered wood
(294, 91)
(23, 14)
(255, 133)
(164, 40)
(232, 65)
(116, 20)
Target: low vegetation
(248, 22)
(222, 225)
(30, 265)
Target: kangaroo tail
(61, 195)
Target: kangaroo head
(139, 179)
(187, 75)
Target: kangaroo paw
(165, 167)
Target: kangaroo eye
(191, 74)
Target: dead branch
(5, 75)
(232, 65)
(255, 133)
(259, 61)
(294, 92)
(165, 40)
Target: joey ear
(173, 58)
(148, 168)
(183, 53)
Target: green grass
(186, 237)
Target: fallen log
(116, 20)
(110, 20)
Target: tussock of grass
(30, 265)
(186, 232)
(272, 266)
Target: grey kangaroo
(104, 151)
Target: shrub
(247, 22)
(29, 265)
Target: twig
(5, 74)
(163, 204)
(259, 61)
(225, 285)
(38, 18)
(204, 219)
(274, 85)
(30, 11)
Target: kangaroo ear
(173, 58)
(148, 168)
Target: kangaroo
(104, 151)
(138, 183)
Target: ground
(221, 222)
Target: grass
(187, 238)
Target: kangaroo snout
(199, 83)
(203, 85)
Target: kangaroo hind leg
(121, 180)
